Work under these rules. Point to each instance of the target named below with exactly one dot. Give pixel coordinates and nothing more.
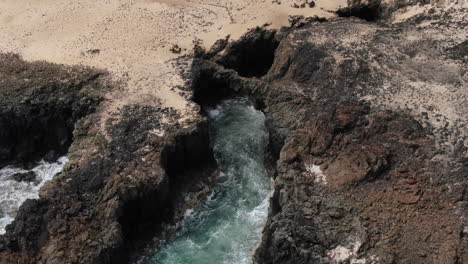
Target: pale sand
(134, 37)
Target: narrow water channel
(226, 226)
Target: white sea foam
(210, 196)
(13, 193)
(215, 113)
(188, 213)
(227, 226)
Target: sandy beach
(132, 39)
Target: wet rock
(40, 104)
(29, 176)
(348, 170)
(121, 195)
(123, 183)
(349, 176)
(28, 230)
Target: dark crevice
(370, 12)
(209, 88)
(189, 165)
(253, 55)
(188, 160)
(26, 138)
(39, 106)
(213, 83)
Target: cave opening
(27, 137)
(253, 55)
(209, 88)
(370, 12)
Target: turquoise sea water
(226, 226)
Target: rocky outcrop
(29, 176)
(120, 189)
(251, 56)
(39, 106)
(361, 176)
(368, 156)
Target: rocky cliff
(371, 161)
(120, 188)
(368, 148)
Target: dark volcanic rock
(29, 176)
(121, 186)
(39, 105)
(377, 10)
(357, 180)
(359, 175)
(370, 11)
(113, 199)
(28, 231)
(252, 56)
(116, 193)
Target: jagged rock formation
(119, 189)
(29, 176)
(361, 177)
(369, 160)
(39, 105)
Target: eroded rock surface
(368, 147)
(39, 105)
(366, 122)
(29, 176)
(120, 187)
